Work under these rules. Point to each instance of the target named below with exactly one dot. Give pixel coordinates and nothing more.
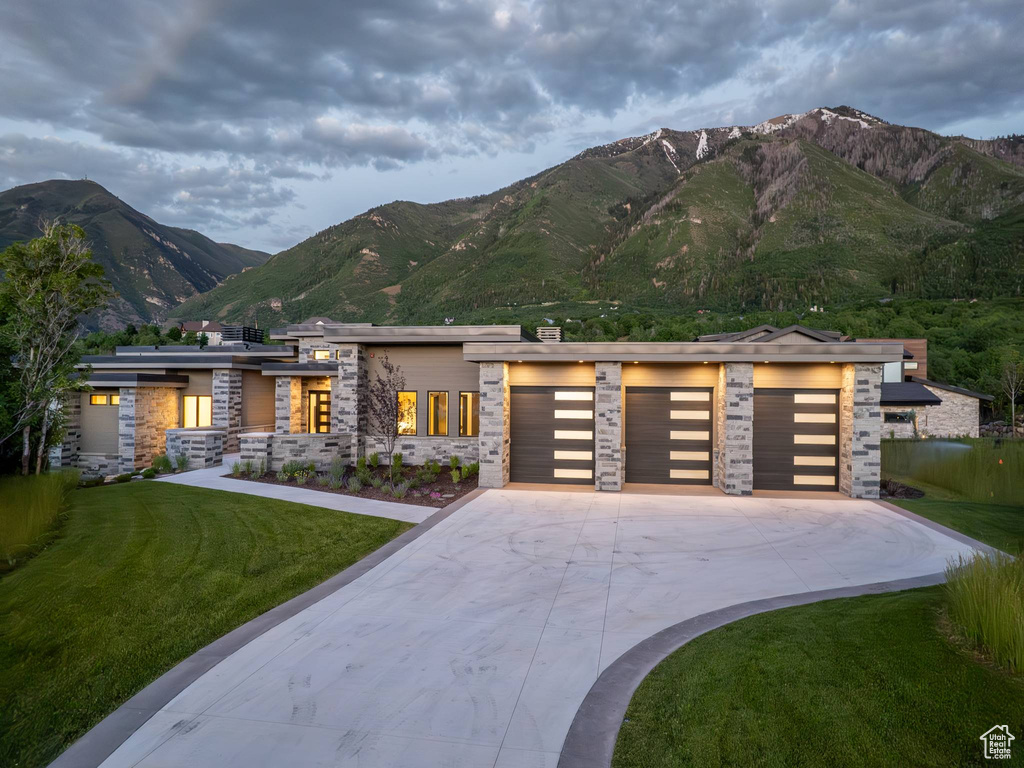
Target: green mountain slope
(153, 267)
(821, 207)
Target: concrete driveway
(476, 643)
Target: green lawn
(143, 575)
(864, 681)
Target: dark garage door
(552, 435)
(668, 435)
(796, 439)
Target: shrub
(412, 483)
(337, 470)
(123, 478)
(247, 467)
(323, 480)
(181, 460)
(149, 473)
(302, 476)
(456, 476)
(471, 469)
(334, 483)
(162, 463)
(435, 467)
(396, 463)
(400, 490)
(985, 596)
(91, 482)
(361, 464)
(30, 509)
(311, 467)
(454, 461)
(376, 482)
(355, 485)
(293, 468)
(374, 459)
(283, 477)
(261, 468)
(236, 469)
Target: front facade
(769, 409)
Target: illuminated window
(815, 399)
(693, 415)
(319, 418)
(574, 395)
(692, 397)
(688, 474)
(198, 410)
(437, 413)
(687, 435)
(573, 414)
(814, 418)
(469, 414)
(910, 366)
(97, 399)
(688, 455)
(577, 474)
(115, 399)
(321, 354)
(407, 413)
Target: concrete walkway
(476, 643)
(219, 479)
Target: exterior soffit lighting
(767, 361)
(581, 361)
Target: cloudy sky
(261, 121)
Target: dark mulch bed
(892, 489)
(443, 487)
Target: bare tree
(387, 412)
(48, 284)
(1013, 385)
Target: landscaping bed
(430, 485)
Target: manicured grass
(985, 597)
(862, 682)
(983, 470)
(30, 511)
(143, 575)
(998, 525)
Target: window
(321, 354)
(892, 372)
(910, 366)
(898, 418)
(198, 411)
(469, 414)
(407, 413)
(319, 419)
(437, 413)
(97, 399)
(115, 399)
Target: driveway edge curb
(100, 741)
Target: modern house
(770, 408)
(914, 405)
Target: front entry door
(319, 411)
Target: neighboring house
(775, 409)
(915, 406)
(217, 334)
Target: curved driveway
(476, 643)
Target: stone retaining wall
(276, 449)
(203, 447)
(418, 450)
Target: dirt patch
(892, 489)
(438, 494)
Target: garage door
(796, 439)
(552, 435)
(668, 435)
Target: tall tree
(48, 284)
(1013, 384)
(386, 410)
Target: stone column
(734, 427)
(126, 430)
(156, 411)
(349, 396)
(227, 405)
(608, 427)
(287, 404)
(860, 430)
(494, 425)
(66, 454)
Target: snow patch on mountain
(671, 154)
(702, 145)
(827, 116)
(735, 133)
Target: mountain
(153, 267)
(824, 206)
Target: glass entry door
(319, 411)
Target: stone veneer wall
(494, 424)
(98, 463)
(608, 467)
(734, 428)
(66, 454)
(417, 450)
(126, 430)
(203, 447)
(307, 347)
(287, 404)
(349, 398)
(227, 405)
(860, 430)
(899, 429)
(143, 416)
(276, 449)
(957, 416)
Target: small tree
(203, 340)
(48, 284)
(385, 410)
(1013, 385)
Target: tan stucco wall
(99, 424)
(551, 374)
(797, 376)
(669, 375)
(257, 398)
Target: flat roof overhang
(684, 352)
(408, 334)
(300, 369)
(188, 362)
(218, 350)
(176, 381)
